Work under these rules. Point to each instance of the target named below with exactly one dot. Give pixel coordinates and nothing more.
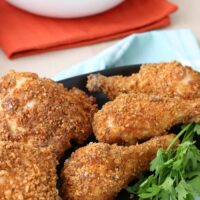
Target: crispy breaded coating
(27, 173)
(136, 117)
(43, 113)
(99, 171)
(170, 79)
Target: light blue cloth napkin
(149, 47)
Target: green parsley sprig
(175, 174)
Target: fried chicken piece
(27, 173)
(170, 79)
(43, 113)
(99, 170)
(136, 117)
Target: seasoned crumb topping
(99, 171)
(170, 79)
(27, 173)
(43, 113)
(137, 117)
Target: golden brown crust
(170, 79)
(136, 117)
(41, 112)
(99, 171)
(27, 173)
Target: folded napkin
(150, 47)
(22, 33)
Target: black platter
(80, 82)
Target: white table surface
(49, 64)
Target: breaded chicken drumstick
(43, 113)
(27, 173)
(99, 171)
(170, 79)
(136, 117)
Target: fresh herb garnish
(176, 174)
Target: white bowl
(65, 8)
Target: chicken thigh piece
(27, 173)
(170, 79)
(43, 113)
(99, 171)
(136, 117)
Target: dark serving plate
(80, 82)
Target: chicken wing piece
(27, 173)
(136, 117)
(41, 112)
(170, 79)
(99, 170)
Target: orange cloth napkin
(22, 33)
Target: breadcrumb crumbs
(170, 79)
(27, 173)
(43, 113)
(99, 171)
